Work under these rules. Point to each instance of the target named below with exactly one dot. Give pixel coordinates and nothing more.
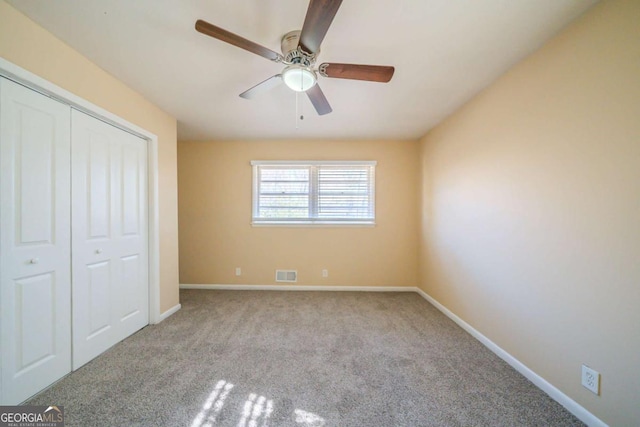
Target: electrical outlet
(325, 273)
(591, 379)
(238, 271)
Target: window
(286, 192)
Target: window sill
(313, 224)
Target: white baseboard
(302, 288)
(571, 405)
(169, 312)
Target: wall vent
(286, 275)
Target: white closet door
(35, 260)
(109, 229)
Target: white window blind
(313, 192)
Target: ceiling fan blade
(320, 14)
(371, 73)
(261, 87)
(226, 36)
(319, 101)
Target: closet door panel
(35, 283)
(110, 285)
(99, 185)
(92, 269)
(34, 295)
(133, 237)
(98, 292)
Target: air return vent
(286, 276)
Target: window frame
(313, 194)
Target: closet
(73, 239)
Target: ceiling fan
(300, 50)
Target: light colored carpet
(254, 359)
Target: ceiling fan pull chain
(301, 116)
(296, 113)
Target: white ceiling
(444, 52)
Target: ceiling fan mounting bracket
(322, 70)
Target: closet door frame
(34, 82)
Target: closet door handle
(34, 260)
(98, 251)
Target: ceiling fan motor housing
(290, 51)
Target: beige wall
(531, 211)
(29, 46)
(216, 235)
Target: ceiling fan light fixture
(299, 78)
